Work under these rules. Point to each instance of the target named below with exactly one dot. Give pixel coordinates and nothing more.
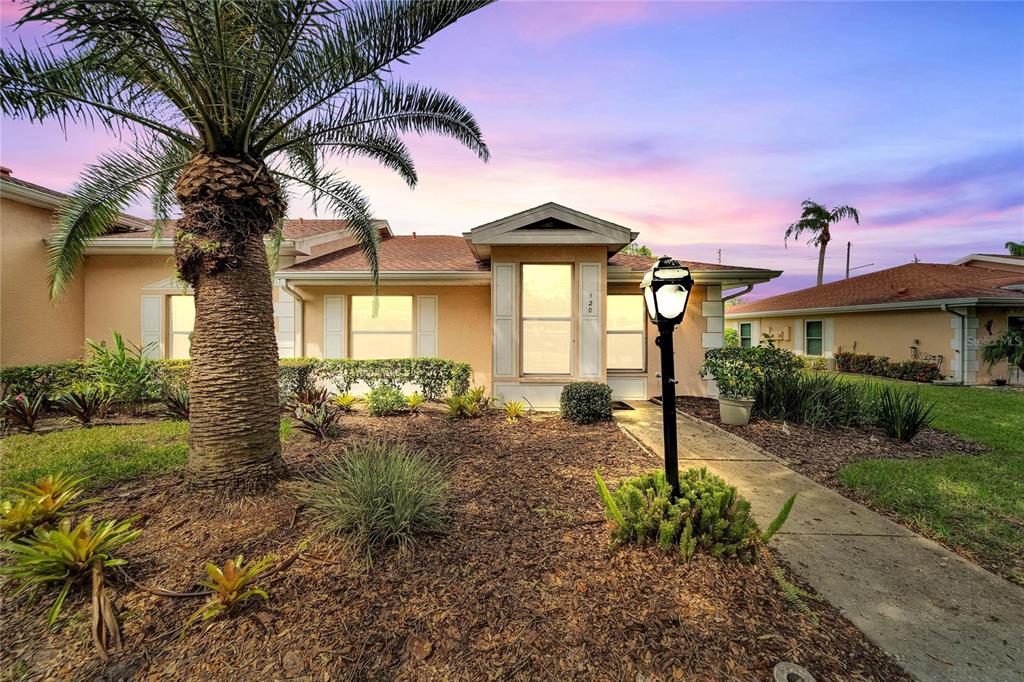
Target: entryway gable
(551, 223)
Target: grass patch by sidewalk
(975, 502)
(102, 454)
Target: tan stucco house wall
(32, 329)
(465, 295)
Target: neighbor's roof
(902, 284)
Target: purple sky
(703, 127)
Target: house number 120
(590, 303)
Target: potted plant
(735, 377)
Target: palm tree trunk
(822, 245)
(234, 417)
(228, 206)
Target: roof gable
(549, 223)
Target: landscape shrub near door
(585, 402)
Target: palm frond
(347, 201)
(95, 203)
(386, 109)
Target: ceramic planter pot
(735, 411)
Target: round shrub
(385, 400)
(585, 402)
(382, 494)
(709, 515)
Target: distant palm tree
(222, 107)
(635, 249)
(817, 220)
(1015, 248)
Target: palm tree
(1015, 248)
(223, 107)
(817, 220)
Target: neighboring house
(531, 301)
(945, 313)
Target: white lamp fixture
(666, 288)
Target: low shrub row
(881, 366)
(137, 378)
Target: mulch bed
(523, 586)
(820, 453)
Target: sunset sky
(703, 127)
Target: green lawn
(103, 454)
(975, 502)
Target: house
(932, 311)
(531, 301)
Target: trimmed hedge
(879, 365)
(585, 402)
(434, 377)
(51, 380)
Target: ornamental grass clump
(900, 413)
(709, 515)
(380, 494)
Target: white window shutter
(284, 311)
(426, 326)
(827, 335)
(798, 337)
(755, 332)
(153, 326)
(334, 326)
(503, 305)
(589, 352)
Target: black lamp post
(666, 288)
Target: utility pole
(847, 260)
(719, 256)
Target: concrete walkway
(942, 617)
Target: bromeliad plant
(176, 403)
(319, 421)
(414, 402)
(310, 396)
(514, 411)
(85, 402)
(40, 504)
(23, 411)
(346, 402)
(64, 556)
(231, 586)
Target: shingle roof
(424, 253)
(293, 228)
(904, 283)
(641, 263)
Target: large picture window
(814, 337)
(625, 332)
(547, 319)
(182, 314)
(388, 334)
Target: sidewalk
(942, 617)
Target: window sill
(545, 379)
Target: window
(182, 314)
(813, 338)
(626, 332)
(547, 319)
(745, 337)
(386, 335)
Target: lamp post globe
(666, 288)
